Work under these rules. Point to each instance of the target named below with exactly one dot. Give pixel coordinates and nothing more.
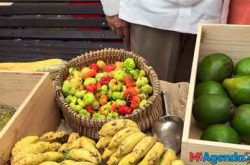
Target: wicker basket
(89, 127)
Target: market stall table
(177, 94)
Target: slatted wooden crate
(34, 97)
(41, 29)
(233, 40)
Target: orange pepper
(113, 107)
(111, 74)
(102, 110)
(103, 99)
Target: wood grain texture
(51, 21)
(37, 114)
(234, 41)
(53, 8)
(63, 34)
(33, 50)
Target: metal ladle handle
(165, 102)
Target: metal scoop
(169, 128)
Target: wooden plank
(33, 116)
(17, 89)
(59, 45)
(66, 34)
(51, 21)
(31, 50)
(212, 148)
(52, 8)
(230, 39)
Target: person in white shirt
(163, 31)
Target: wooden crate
(234, 40)
(33, 96)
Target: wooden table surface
(177, 97)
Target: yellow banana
(129, 143)
(177, 162)
(153, 155)
(54, 146)
(31, 159)
(84, 163)
(54, 137)
(71, 162)
(68, 162)
(88, 140)
(36, 148)
(49, 163)
(130, 123)
(113, 126)
(73, 136)
(126, 160)
(140, 150)
(24, 142)
(168, 156)
(82, 155)
(73, 145)
(63, 148)
(121, 135)
(103, 142)
(53, 156)
(91, 148)
(108, 152)
(114, 160)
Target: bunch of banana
(55, 148)
(125, 144)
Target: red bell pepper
(124, 110)
(109, 68)
(92, 88)
(90, 109)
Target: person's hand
(119, 26)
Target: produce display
(125, 144)
(222, 99)
(6, 112)
(121, 139)
(103, 90)
(55, 148)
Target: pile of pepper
(107, 90)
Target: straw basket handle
(149, 69)
(58, 88)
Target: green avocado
(238, 89)
(241, 122)
(209, 87)
(221, 133)
(243, 67)
(215, 67)
(212, 109)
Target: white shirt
(166, 15)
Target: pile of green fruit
(222, 99)
(103, 90)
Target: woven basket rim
(136, 112)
